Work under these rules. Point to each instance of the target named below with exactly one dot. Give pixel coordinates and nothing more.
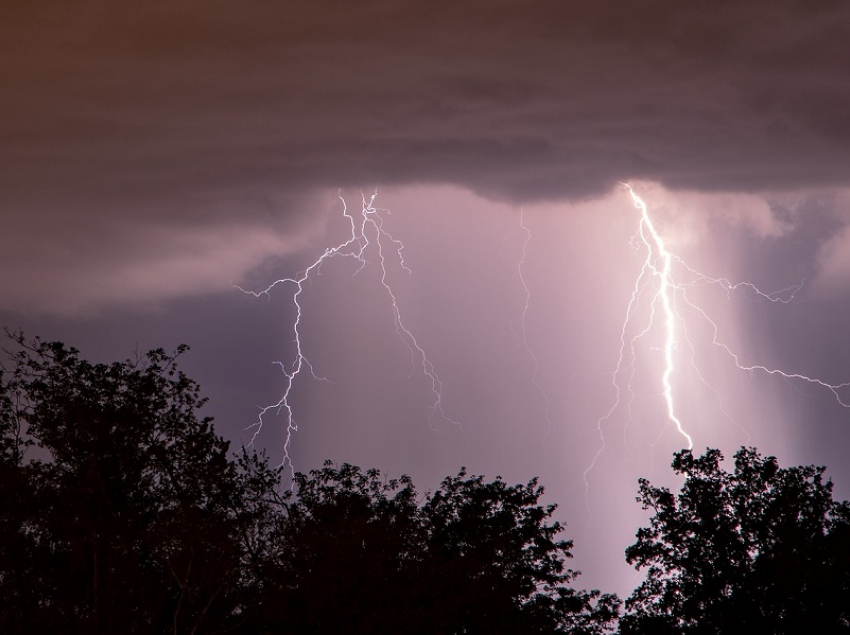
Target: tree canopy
(360, 554)
(762, 549)
(124, 512)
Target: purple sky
(153, 156)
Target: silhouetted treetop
(362, 554)
(124, 512)
(762, 549)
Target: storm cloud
(121, 123)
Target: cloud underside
(527, 101)
(202, 115)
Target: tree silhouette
(124, 512)
(359, 554)
(763, 549)
(128, 515)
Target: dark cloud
(176, 116)
(564, 97)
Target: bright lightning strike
(666, 294)
(366, 233)
(656, 249)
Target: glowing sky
(153, 156)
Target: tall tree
(762, 549)
(122, 511)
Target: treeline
(124, 512)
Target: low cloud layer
(198, 116)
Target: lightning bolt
(657, 250)
(367, 235)
(667, 294)
(547, 405)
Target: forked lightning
(657, 279)
(367, 233)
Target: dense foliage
(760, 550)
(123, 512)
(359, 554)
